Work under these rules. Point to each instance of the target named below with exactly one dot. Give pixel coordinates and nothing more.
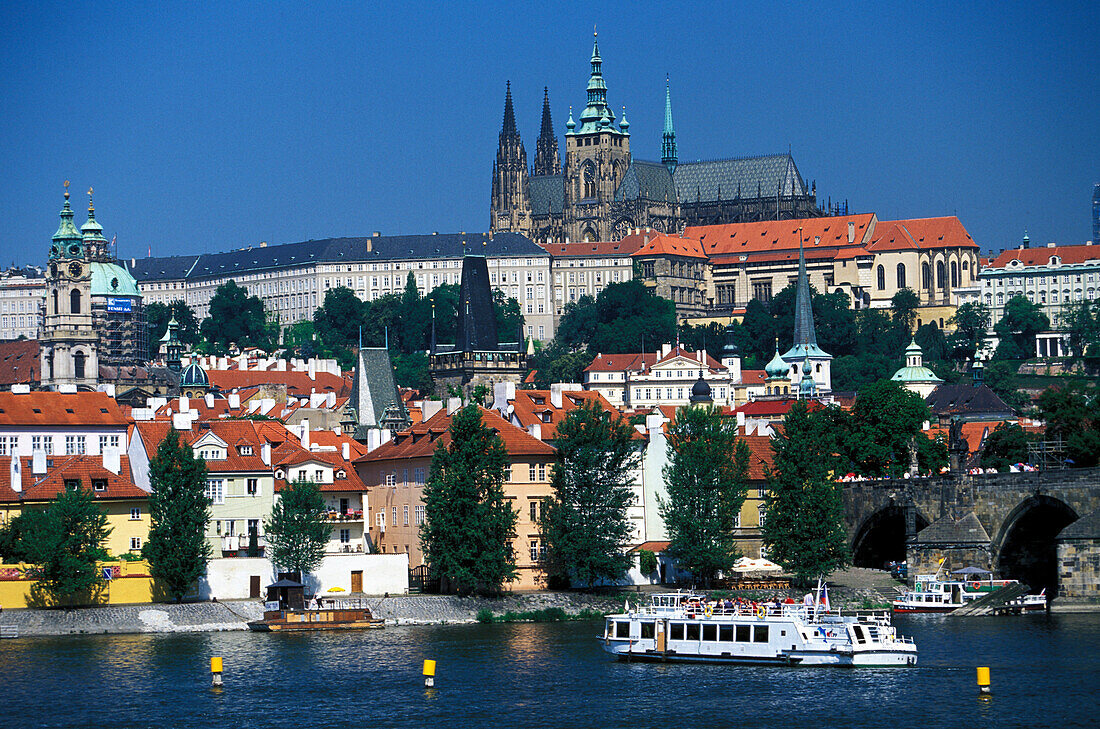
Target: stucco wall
(228, 579)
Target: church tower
(597, 156)
(68, 345)
(668, 136)
(510, 209)
(805, 357)
(547, 161)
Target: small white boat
(935, 594)
(684, 627)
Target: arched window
(925, 276)
(954, 274)
(881, 278)
(78, 365)
(74, 301)
(589, 180)
(54, 310)
(939, 275)
(901, 275)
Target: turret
(668, 136)
(547, 160)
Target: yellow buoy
(429, 673)
(216, 670)
(983, 679)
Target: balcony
(234, 543)
(349, 515)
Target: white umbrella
(746, 565)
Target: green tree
(971, 322)
(509, 317)
(557, 362)
(237, 318)
(761, 331)
(157, 316)
(706, 477)
(445, 299)
(469, 527)
(1000, 376)
(416, 318)
(1072, 413)
(904, 305)
(297, 530)
(710, 337)
(932, 342)
(585, 525)
(1081, 322)
(1022, 320)
(883, 424)
(803, 524)
(628, 311)
(64, 544)
(579, 320)
(878, 335)
(851, 372)
(338, 319)
(179, 510)
(12, 546)
(647, 562)
(411, 370)
(834, 318)
(1007, 444)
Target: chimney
(209, 400)
(453, 405)
(428, 408)
(345, 451)
(312, 369)
(181, 421)
(535, 429)
(17, 474)
(280, 365)
(666, 348)
(851, 231)
(234, 400)
(21, 389)
(112, 459)
(305, 434)
(38, 462)
(185, 404)
(740, 419)
(330, 400)
(702, 357)
(555, 395)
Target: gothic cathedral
(601, 192)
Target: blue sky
(204, 127)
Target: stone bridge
(1040, 527)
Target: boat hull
(868, 659)
(289, 621)
(942, 609)
(283, 627)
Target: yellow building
(32, 483)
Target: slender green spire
(66, 241)
(597, 115)
(668, 137)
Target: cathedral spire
(668, 137)
(94, 242)
(547, 160)
(597, 115)
(804, 334)
(509, 127)
(510, 208)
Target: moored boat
(287, 610)
(936, 594)
(684, 627)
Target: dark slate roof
(374, 390)
(332, 250)
(647, 181)
(1087, 527)
(707, 180)
(547, 194)
(967, 400)
(951, 530)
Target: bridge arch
(1025, 549)
(882, 535)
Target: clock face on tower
(74, 269)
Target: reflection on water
(1044, 672)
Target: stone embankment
(852, 589)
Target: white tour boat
(683, 627)
(934, 594)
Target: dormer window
(546, 417)
(245, 450)
(280, 473)
(341, 474)
(99, 484)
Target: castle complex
(600, 191)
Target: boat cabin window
(622, 629)
(859, 634)
(725, 633)
(743, 632)
(692, 630)
(710, 632)
(676, 631)
(760, 634)
(647, 630)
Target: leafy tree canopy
(64, 542)
(1006, 445)
(157, 316)
(882, 427)
(237, 318)
(1072, 413)
(1021, 321)
(297, 530)
(971, 321)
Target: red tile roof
(760, 455)
(780, 235)
(920, 233)
(420, 440)
(531, 406)
(1041, 256)
(621, 362)
(19, 362)
(671, 245)
(607, 249)
(235, 433)
(41, 408)
(655, 547)
(298, 384)
(753, 377)
(60, 469)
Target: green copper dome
(194, 376)
(109, 279)
(777, 367)
(66, 241)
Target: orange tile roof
(1041, 256)
(753, 377)
(777, 235)
(19, 362)
(531, 406)
(60, 469)
(621, 362)
(234, 433)
(584, 249)
(760, 455)
(671, 245)
(921, 234)
(655, 547)
(350, 482)
(42, 408)
(420, 440)
(298, 384)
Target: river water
(1045, 672)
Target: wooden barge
(287, 611)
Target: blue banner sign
(123, 306)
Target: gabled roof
(670, 245)
(48, 409)
(647, 181)
(60, 469)
(676, 352)
(967, 400)
(920, 234)
(19, 363)
(769, 236)
(1069, 255)
(547, 194)
(420, 440)
(621, 362)
(374, 393)
(531, 406)
(235, 433)
(746, 177)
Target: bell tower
(68, 344)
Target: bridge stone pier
(1040, 527)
